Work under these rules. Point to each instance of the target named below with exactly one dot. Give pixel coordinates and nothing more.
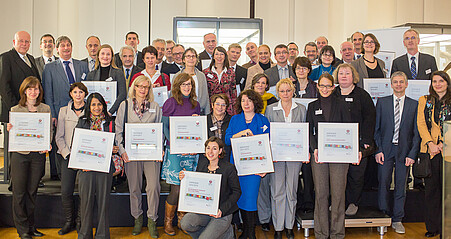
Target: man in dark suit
(160, 45)
(234, 53)
(347, 53)
(47, 45)
(357, 41)
(131, 39)
(15, 65)
(281, 70)
(177, 65)
(210, 44)
(414, 64)
(293, 52)
(397, 139)
(92, 45)
(127, 54)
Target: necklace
(368, 60)
(77, 109)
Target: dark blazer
(360, 66)
(13, 70)
(139, 61)
(273, 74)
(240, 76)
(117, 75)
(135, 70)
(339, 114)
(202, 56)
(230, 186)
(169, 69)
(426, 66)
(409, 138)
(40, 64)
(224, 126)
(56, 84)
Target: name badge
(213, 128)
(301, 92)
(242, 80)
(349, 99)
(210, 75)
(428, 71)
(318, 112)
(264, 128)
(83, 76)
(152, 111)
(109, 79)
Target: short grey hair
(398, 73)
(127, 48)
(159, 40)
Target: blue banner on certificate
(30, 131)
(338, 142)
(188, 134)
(289, 141)
(144, 141)
(252, 155)
(199, 193)
(91, 150)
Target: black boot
(78, 219)
(68, 208)
(252, 221)
(245, 217)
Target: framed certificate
(144, 141)
(205, 63)
(252, 155)
(199, 193)
(338, 142)
(417, 88)
(304, 101)
(160, 95)
(289, 141)
(91, 150)
(387, 57)
(30, 131)
(377, 88)
(108, 89)
(188, 134)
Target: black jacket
(224, 127)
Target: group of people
(238, 102)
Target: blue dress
(249, 183)
(317, 72)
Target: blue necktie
(413, 68)
(69, 73)
(127, 73)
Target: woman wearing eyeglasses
(326, 59)
(304, 86)
(369, 66)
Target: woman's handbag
(422, 167)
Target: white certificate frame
(417, 88)
(30, 132)
(334, 140)
(160, 95)
(289, 141)
(199, 193)
(304, 101)
(387, 57)
(187, 134)
(247, 161)
(377, 87)
(144, 142)
(108, 90)
(89, 146)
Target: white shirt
(23, 57)
(159, 66)
(283, 71)
(219, 74)
(91, 63)
(401, 104)
(416, 60)
(46, 59)
(196, 82)
(154, 77)
(293, 106)
(71, 66)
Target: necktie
(127, 73)
(413, 68)
(70, 76)
(49, 60)
(92, 64)
(156, 67)
(27, 60)
(397, 120)
(358, 56)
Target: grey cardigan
(153, 115)
(360, 66)
(275, 113)
(67, 120)
(203, 98)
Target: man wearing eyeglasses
(15, 65)
(281, 70)
(414, 64)
(177, 65)
(47, 45)
(293, 52)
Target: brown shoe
(169, 214)
(180, 215)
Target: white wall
(283, 20)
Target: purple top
(171, 108)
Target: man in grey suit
(92, 46)
(281, 70)
(210, 44)
(397, 138)
(414, 64)
(47, 46)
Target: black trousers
(306, 189)
(356, 180)
(68, 177)
(433, 195)
(26, 171)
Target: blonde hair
(355, 74)
(285, 81)
(140, 79)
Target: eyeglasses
(142, 87)
(190, 56)
(222, 105)
(285, 91)
(281, 52)
(413, 38)
(24, 41)
(368, 42)
(177, 53)
(326, 86)
(185, 85)
(302, 68)
(327, 55)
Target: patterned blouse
(227, 85)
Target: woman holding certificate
(182, 103)
(248, 122)
(284, 180)
(304, 86)
(27, 167)
(94, 187)
(433, 110)
(260, 84)
(140, 108)
(67, 120)
(219, 225)
(106, 70)
(329, 178)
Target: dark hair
(177, 93)
(293, 44)
(192, 50)
(257, 77)
(151, 50)
(219, 142)
(134, 33)
(377, 45)
(220, 96)
(88, 107)
(80, 86)
(61, 39)
(226, 58)
(311, 44)
(252, 95)
(327, 48)
(280, 46)
(304, 62)
(94, 37)
(432, 94)
(47, 35)
(30, 82)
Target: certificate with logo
(289, 141)
(187, 134)
(160, 95)
(144, 141)
(338, 142)
(199, 193)
(91, 150)
(252, 154)
(108, 89)
(30, 131)
(417, 88)
(377, 88)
